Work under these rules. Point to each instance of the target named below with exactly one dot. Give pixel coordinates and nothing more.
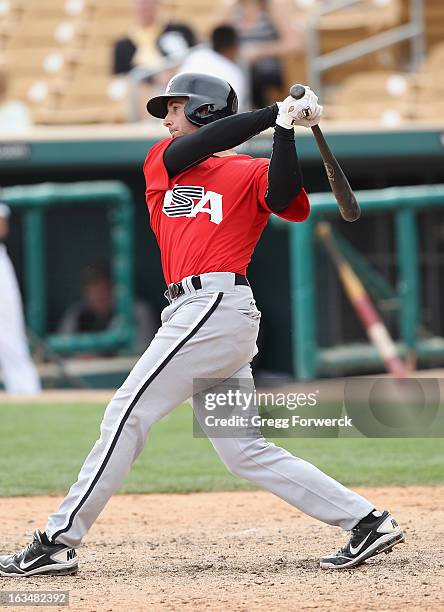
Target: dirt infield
(236, 551)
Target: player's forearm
(186, 151)
(284, 173)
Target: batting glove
(305, 112)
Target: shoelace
(30, 545)
(350, 533)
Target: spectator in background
(95, 312)
(267, 32)
(221, 61)
(151, 40)
(14, 115)
(19, 373)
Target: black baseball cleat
(39, 557)
(368, 538)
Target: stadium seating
(353, 25)
(384, 96)
(41, 61)
(434, 63)
(434, 22)
(109, 29)
(63, 66)
(429, 86)
(391, 97)
(50, 31)
(94, 60)
(36, 92)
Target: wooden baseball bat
(339, 184)
(363, 306)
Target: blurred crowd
(98, 61)
(244, 42)
(245, 47)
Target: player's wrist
(284, 132)
(284, 120)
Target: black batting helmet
(209, 98)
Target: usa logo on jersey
(190, 200)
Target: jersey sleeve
(156, 175)
(299, 207)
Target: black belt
(176, 289)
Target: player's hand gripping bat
(339, 184)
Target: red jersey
(209, 218)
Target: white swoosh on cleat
(358, 548)
(23, 565)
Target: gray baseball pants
(205, 334)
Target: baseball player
(207, 210)
(18, 371)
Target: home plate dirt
(236, 551)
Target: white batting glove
(305, 112)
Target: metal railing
(311, 361)
(319, 63)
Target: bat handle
(318, 133)
(297, 91)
